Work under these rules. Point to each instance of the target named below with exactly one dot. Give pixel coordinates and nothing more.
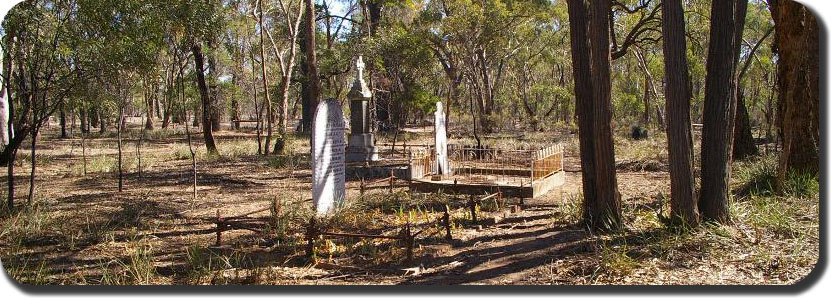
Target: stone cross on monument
(359, 66)
(361, 147)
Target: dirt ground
(82, 230)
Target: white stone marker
(4, 112)
(4, 118)
(443, 167)
(328, 150)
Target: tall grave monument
(361, 147)
(328, 144)
(443, 167)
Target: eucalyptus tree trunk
(102, 122)
(120, 128)
(213, 95)
(743, 146)
(8, 124)
(601, 205)
(796, 37)
(578, 24)
(608, 214)
(313, 82)
(727, 20)
(207, 133)
(166, 110)
(286, 80)
(31, 197)
(257, 109)
(235, 105)
(139, 149)
(148, 98)
(266, 98)
(678, 95)
(82, 114)
(62, 120)
(307, 110)
(92, 116)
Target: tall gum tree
(608, 215)
(796, 38)
(678, 95)
(727, 19)
(602, 202)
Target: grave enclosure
(521, 173)
(465, 170)
(449, 168)
(470, 174)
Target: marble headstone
(4, 113)
(4, 118)
(443, 167)
(328, 150)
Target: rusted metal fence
(517, 167)
(422, 162)
(546, 162)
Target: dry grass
(82, 231)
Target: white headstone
(328, 150)
(4, 119)
(443, 167)
(4, 112)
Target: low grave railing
(519, 167)
(422, 162)
(547, 161)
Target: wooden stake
(446, 221)
(391, 181)
(311, 235)
(410, 243)
(473, 206)
(219, 228)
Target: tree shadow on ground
(536, 248)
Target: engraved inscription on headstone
(443, 167)
(328, 150)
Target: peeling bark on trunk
(797, 41)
